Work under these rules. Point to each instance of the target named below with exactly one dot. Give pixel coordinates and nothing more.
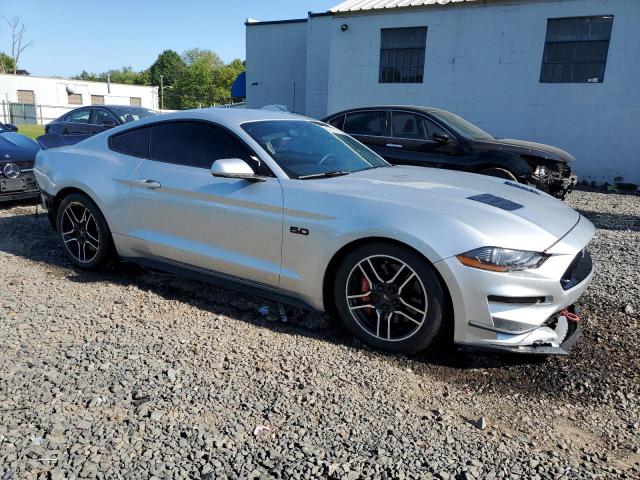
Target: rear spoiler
(54, 140)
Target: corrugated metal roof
(359, 5)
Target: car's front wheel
(390, 297)
(83, 232)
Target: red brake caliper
(365, 287)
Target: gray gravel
(136, 374)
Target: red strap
(572, 317)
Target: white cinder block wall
(483, 62)
(318, 53)
(276, 64)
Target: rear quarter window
(337, 122)
(132, 142)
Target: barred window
(575, 49)
(97, 99)
(135, 101)
(402, 55)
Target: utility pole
(161, 92)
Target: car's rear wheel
(499, 172)
(83, 232)
(390, 297)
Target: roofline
(276, 22)
(415, 108)
(321, 14)
(64, 79)
(409, 8)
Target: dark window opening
(370, 123)
(132, 142)
(575, 49)
(402, 55)
(195, 144)
(337, 122)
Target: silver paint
(241, 228)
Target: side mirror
(108, 123)
(441, 137)
(11, 126)
(234, 168)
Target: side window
(366, 123)
(133, 142)
(194, 144)
(79, 116)
(337, 122)
(432, 128)
(100, 116)
(408, 125)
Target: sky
(74, 35)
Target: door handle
(149, 183)
(394, 145)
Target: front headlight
(501, 259)
(540, 171)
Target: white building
(28, 99)
(562, 72)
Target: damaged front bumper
(557, 181)
(21, 187)
(522, 311)
(566, 329)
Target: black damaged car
(430, 137)
(17, 157)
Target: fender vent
(497, 202)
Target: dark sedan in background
(96, 119)
(17, 156)
(409, 135)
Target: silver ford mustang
(299, 211)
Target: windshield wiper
(336, 173)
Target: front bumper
(518, 311)
(567, 340)
(24, 186)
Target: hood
(530, 148)
(502, 213)
(17, 148)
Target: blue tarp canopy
(239, 87)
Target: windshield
(461, 126)
(126, 115)
(303, 148)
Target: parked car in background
(302, 212)
(430, 137)
(96, 119)
(9, 126)
(17, 156)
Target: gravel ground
(137, 374)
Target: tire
(83, 232)
(409, 285)
(499, 172)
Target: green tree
(7, 65)
(125, 75)
(200, 55)
(171, 66)
(168, 64)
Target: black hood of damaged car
(17, 148)
(523, 147)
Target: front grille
(21, 165)
(28, 175)
(579, 269)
